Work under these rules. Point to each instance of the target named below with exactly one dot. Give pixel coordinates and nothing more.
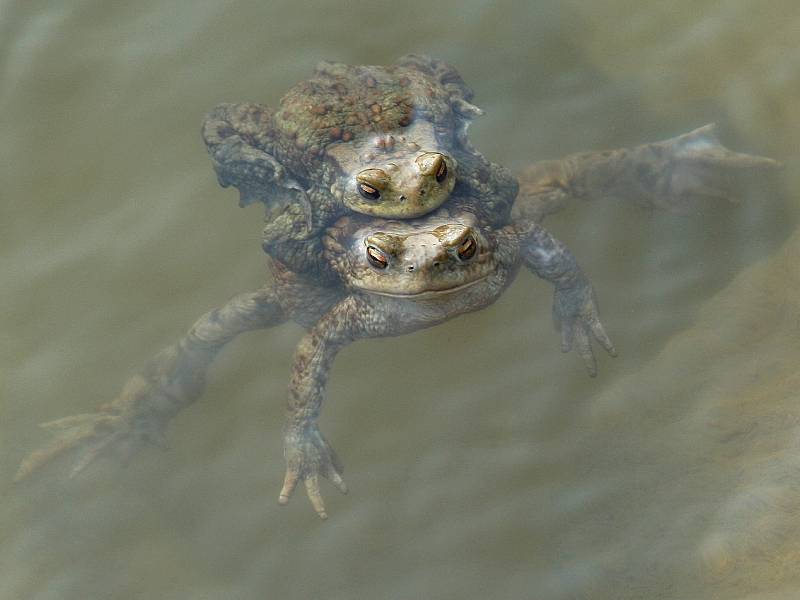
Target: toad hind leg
(171, 380)
(674, 173)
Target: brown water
(483, 463)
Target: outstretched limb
(575, 312)
(171, 380)
(308, 454)
(675, 173)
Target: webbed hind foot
(91, 435)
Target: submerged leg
(308, 454)
(675, 173)
(575, 310)
(171, 380)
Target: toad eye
(377, 258)
(467, 248)
(441, 173)
(368, 192)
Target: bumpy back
(343, 102)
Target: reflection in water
(482, 462)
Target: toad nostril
(437, 264)
(409, 268)
(402, 198)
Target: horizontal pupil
(441, 173)
(376, 257)
(467, 249)
(368, 191)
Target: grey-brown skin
(402, 276)
(391, 142)
(387, 141)
(675, 174)
(362, 300)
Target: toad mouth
(429, 293)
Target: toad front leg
(171, 380)
(240, 143)
(308, 454)
(575, 310)
(675, 173)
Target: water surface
(482, 461)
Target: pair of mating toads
(381, 219)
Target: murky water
(483, 463)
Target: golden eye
(376, 258)
(442, 172)
(467, 248)
(369, 192)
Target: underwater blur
(482, 462)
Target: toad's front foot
(309, 456)
(113, 428)
(576, 316)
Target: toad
(396, 276)
(387, 141)
(391, 141)
(346, 276)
